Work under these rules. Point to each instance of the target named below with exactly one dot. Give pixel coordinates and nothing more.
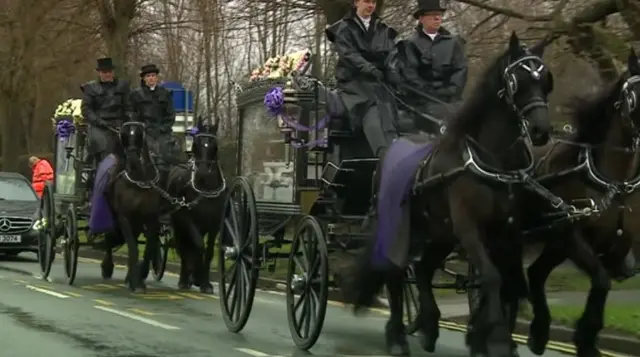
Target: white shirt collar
(366, 21)
(152, 88)
(432, 35)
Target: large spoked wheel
(238, 263)
(159, 263)
(48, 231)
(307, 283)
(71, 243)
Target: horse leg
(498, 339)
(147, 256)
(107, 264)
(592, 320)
(182, 246)
(151, 247)
(133, 272)
(538, 272)
(396, 338)
(205, 284)
(511, 293)
(429, 314)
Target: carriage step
(340, 133)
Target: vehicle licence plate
(10, 239)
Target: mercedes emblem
(5, 224)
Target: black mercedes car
(18, 209)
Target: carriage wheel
(71, 244)
(238, 264)
(48, 231)
(159, 263)
(307, 283)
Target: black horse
(599, 162)
(135, 199)
(463, 191)
(201, 187)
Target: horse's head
(207, 173)
(627, 102)
(132, 140)
(526, 82)
(205, 146)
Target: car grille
(15, 225)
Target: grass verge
(619, 318)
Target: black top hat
(148, 68)
(105, 64)
(427, 6)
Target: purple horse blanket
(399, 167)
(101, 218)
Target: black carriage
(317, 181)
(65, 204)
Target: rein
(475, 165)
(586, 162)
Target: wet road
(98, 318)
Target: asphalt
(102, 318)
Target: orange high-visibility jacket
(42, 172)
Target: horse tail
(364, 280)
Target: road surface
(102, 318)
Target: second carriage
(304, 180)
(65, 205)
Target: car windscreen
(13, 189)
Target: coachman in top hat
(105, 104)
(432, 61)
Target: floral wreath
(281, 66)
(66, 117)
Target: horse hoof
(107, 271)
(428, 342)
(535, 346)
(498, 349)
(207, 289)
(144, 274)
(398, 350)
(514, 352)
(588, 352)
(184, 286)
(141, 288)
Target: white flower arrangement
(70, 108)
(281, 66)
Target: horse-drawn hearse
(305, 180)
(485, 193)
(65, 205)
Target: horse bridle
(534, 66)
(627, 104)
(192, 181)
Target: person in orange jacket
(42, 172)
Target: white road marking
(137, 318)
(48, 292)
(254, 353)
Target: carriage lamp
(69, 150)
(284, 127)
(188, 143)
